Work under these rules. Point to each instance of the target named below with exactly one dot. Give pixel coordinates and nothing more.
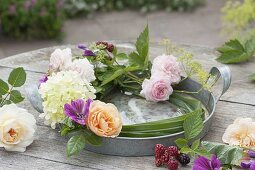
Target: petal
(202, 162)
(78, 106)
(69, 111)
(87, 105)
(88, 53)
(215, 163)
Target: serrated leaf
(115, 75)
(75, 144)
(15, 96)
(142, 46)
(225, 153)
(193, 125)
(135, 59)
(92, 138)
(121, 56)
(232, 57)
(231, 45)
(17, 77)
(181, 143)
(195, 144)
(4, 88)
(250, 46)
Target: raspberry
(159, 150)
(165, 157)
(173, 151)
(184, 159)
(110, 48)
(158, 162)
(172, 164)
(103, 43)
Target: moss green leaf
(17, 77)
(75, 144)
(193, 125)
(195, 144)
(115, 75)
(15, 96)
(181, 143)
(121, 56)
(226, 154)
(135, 59)
(4, 88)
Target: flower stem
(188, 92)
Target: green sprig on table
(8, 92)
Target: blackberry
(159, 150)
(183, 158)
(173, 151)
(172, 164)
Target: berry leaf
(181, 143)
(225, 153)
(17, 77)
(4, 88)
(15, 96)
(142, 46)
(195, 144)
(193, 125)
(75, 144)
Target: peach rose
(104, 119)
(241, 133)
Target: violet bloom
(88, 53)
(202, 163)
(78, 110)
(248, 165)
(251, 154)
(82, 47)
(43, 79)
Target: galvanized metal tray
(135, 110)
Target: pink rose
(156, 88)
(167, 65)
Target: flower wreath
(72, 84)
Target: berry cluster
(108, 46)
(169, 156)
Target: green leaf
(135, 59)
(92, 138)
(225, 153)
(181, 143)
(115, 75)
(16, 97)
(142, 46)
(17, 77)
(252, 77)
(202, 152)
(4, 88)
(186, 150)
(193, 125)
(75, 144)
(121, 56)
(195, 144)
(234, 52)
(250, 46)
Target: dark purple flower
(202, 163)
(78, 110)
(88, 53)
(251, 154)
(252, 167)
(12, 9)
(43, 79)
(245, 164)
(82, 47)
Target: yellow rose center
(12, 135)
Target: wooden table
(48, 150)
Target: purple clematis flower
(248, 165)
(43, 79)
(202, 163)
(88, 52)
(78, 110)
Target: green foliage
(230, 155)
(79, 139)
(234, 51)
(28, 19)
(239, 18)
(8, 94)
(88, 7)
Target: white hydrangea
(61, 88)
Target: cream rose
(241, 133)
(168, 66)
(17, 128)
(156, 89)
(60, 59)
(84, 68)
(104, 119)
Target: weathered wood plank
(241, 88)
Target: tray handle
(220, 72)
